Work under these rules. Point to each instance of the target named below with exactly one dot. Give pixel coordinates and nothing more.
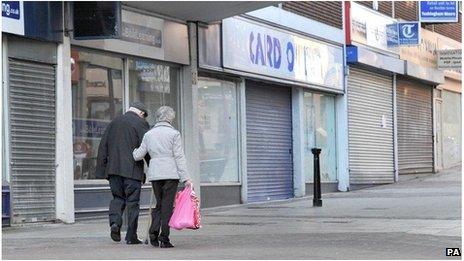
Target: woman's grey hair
(165, 113)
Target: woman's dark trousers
(165, 193)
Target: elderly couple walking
(126, 142)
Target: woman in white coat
(167, 166)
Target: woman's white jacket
(164, 145)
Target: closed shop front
(269, 142)
(31, 78)
(415, 133)
(370, 122)
(272, 88)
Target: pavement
(416, 218)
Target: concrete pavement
(416, 218)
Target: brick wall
(328, 12)
(451, 30)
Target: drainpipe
(395, 129)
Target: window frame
(334, 96)
(236, 82)
(88, 183)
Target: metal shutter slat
(269, 141)
(32, 140)
(371, 158)
(415, 139)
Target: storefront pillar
(64, 136)
(299, 184)
(341, 105)
(189, 109)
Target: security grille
(32, 140)
(269, 142)
(370, 119)
(415, 140)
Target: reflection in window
(217, 120)
(319, 113)
(97, 89)
(155, 85)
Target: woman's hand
(188, 183)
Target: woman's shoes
(154, 240)
(165, 244)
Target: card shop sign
(259, 49)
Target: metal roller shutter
(415, 140)
(370, 105)
(32, 140)
(269, 142)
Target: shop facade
(284, 95)
(373, 68)
(30, 60)
(145, 65)
(390, 103)
(445, 99)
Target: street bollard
(317, 201)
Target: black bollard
(317, 201)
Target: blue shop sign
(11, 9)
(351, 54)
(409, 33)
(392, 35)
(438, 11)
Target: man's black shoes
(165, 244)
(115, 233)
(134, 241)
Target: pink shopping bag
(186, 210)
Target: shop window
(218, 129)
(155, 85)
(97, 91)
(319, 131)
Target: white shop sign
(13, 17)
(372, 29)
(449, 59)
(255, 48)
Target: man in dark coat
(116, 163)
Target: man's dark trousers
(165, 193)
(126, 193)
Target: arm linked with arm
(140, 152)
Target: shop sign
(13, 17)
(373, 29)
(438, 11)
(89, 128)
(423, 54)
(255, 48)
(409, 33)
(426, 54)
(141, 34)
(449, 59)
(392, 35)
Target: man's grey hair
(165, 113)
